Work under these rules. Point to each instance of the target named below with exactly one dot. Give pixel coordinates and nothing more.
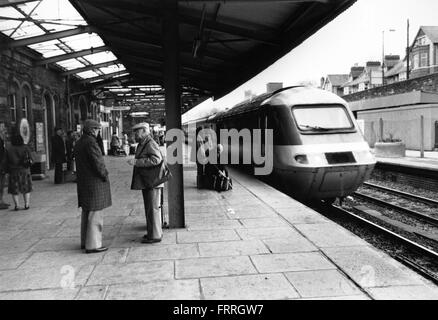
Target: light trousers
(91, 229)
(152, 208)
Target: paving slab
(156, 290)
(13, 260)
(232, 248)
(284, 262)
(263, 222)
(105, 274)
(44, 278)
(115, 255)
(405, 293)
(372, 268)
(92, 293)
(207, 236)
(266, 233)
(250, 287)
(58, 259)
(329, 235)
(213, 224)
(164, 252)
(213, 267)
(322, 283)
(292, 243)
(46, 294)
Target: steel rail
(402, 194)
(412, 213)
(399, 238)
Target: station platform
(413, 160)
(250, 243)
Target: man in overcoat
(58, 154)
(93, 187)
(148, 154)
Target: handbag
(155, 175)
(27, 160)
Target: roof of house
(356, 71)
(363, 78)
(338, 79)
(397, 69)
(431, 32)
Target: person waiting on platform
(19, 161)
(115, 144)
(93, 187)
(3, 169)
(59, 155)
(216, 173)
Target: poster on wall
(39, 130)
(24, 130)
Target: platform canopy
(105, 42)
(223, 43)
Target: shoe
(97, 250)
(146, 240)
(26, 207)
(16, 208)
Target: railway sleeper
(395, 223)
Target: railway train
(319, 152)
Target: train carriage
(319, 152)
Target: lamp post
(383, 55)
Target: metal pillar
(173, 108)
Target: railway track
(412, 213)
(402, 194)
(420, 250)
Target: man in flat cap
(93, 187)
(148, 154)
(58, 154)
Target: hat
(57, 128)
(141, 125)
(89, 124)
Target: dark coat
(58, 150)
(3, 157)
(93, 186)
(148, 154)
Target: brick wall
(17, 69)
(428, 83)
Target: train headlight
(301, 159)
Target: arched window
(26, 102)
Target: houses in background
(392, 102)
(423, 60)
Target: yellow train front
(319, 152)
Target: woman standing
(19, 160)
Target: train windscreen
(321, 118)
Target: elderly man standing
(93, 187)
(148, 154)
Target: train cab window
(322, 118)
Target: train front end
(323, 154)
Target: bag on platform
(156, 175)
(221, 182)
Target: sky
(355, 36)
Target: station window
(12, 101)
(25, 104)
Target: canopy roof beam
(71, 55)
(91, 67)
(48, 37)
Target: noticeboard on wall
(39, 132)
